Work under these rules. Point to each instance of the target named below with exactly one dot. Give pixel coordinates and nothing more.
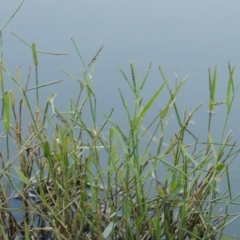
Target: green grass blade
(148, 105)
(6, 116)
(21, 176)
(6, 23)
(78, 53)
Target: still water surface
(189, 35)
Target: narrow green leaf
(173, 95)
(210, 140)
(164, 112)
(21, 175)
(210, 91)
(13, 14)
(88, 165)
(26, 230)
(148, 105)
(78, 52)
(6, 115)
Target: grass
(66, 193)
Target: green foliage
(65, 188)
(6, 108)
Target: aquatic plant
(54, 169)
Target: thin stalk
(12, 16)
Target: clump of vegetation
(65, 192)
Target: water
(189, 35)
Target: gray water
(189, 35)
